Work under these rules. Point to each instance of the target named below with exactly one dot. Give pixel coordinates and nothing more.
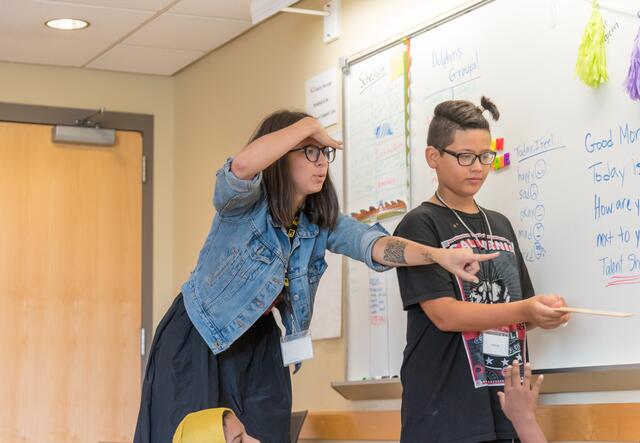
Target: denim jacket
(241, 267)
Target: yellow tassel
(591, 66)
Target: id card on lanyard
(495, 342)
(297, 346)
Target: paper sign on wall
(322, 97)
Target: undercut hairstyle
(458, 115)
(321, 208)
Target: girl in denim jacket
(277, 214)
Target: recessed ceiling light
(66, 24)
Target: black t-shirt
(449, 386)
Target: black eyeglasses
(469, 158)
(313, 153)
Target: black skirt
(184, 376)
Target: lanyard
(291, 233)
(490, 263)
(471, 233)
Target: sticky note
(397, 64)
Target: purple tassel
(632, 83)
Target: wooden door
(70, 287)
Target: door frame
(142, 123)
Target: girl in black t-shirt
(460, 335)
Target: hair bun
(487, 105)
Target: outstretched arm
(397, 251)
(451, 315)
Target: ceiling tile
(49, 51)
(159, 42)
(143, 5)
(237, 9)
(27, 18)
(145, 60)
(188, 32)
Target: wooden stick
(592, 312)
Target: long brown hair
(454, 115)
(322, 207)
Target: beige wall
(145, 94)
(221, 98)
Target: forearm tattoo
(428, 257)
(394, 252)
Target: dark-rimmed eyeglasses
(469, 158)
(313, 153)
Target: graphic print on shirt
(499, 283)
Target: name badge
(296, 348)
(495, 343)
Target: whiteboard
(377, 176)
(572, 191)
